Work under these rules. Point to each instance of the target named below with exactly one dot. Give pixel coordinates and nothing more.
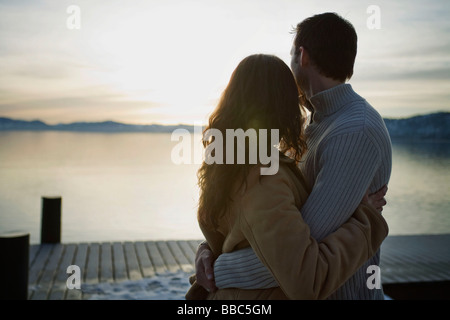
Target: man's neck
(320, 83)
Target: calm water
(126, 187)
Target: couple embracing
(311, 230)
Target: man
(349, 152)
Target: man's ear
(304, 57)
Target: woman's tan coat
(266, 216)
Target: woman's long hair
(261, 94)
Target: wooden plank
(179, 256)
(38, 263)
(408, 269)
(93, 262)
(120, 268)
(415, 258)
(144, 260)
(46, 280)
(194, 244)
(34, 250)
(188, 251)
(167, 256)
(37, 268)
(106, 263)
(134, 271)
(81, 256)
(398, 269)
(432, 249)
(80, 260)
(156, 257)
(59, 288)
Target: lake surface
(125, 186)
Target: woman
(239, 207)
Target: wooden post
(51, 220)
(15, 250)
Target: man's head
(326, 43)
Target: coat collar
(332, 100)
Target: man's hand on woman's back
(204, 269)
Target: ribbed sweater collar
(332, 100)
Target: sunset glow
(168, 61)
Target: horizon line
(179, 123)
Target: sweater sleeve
(347, 165)
(304, 268)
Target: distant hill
(434, 126)
(429, 126)
(106, 126)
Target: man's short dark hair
(331, 42)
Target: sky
(168, 61)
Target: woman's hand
(376, 200)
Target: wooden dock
(103, 262)
(405, 260)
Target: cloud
(164, 60)
(80, 109)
